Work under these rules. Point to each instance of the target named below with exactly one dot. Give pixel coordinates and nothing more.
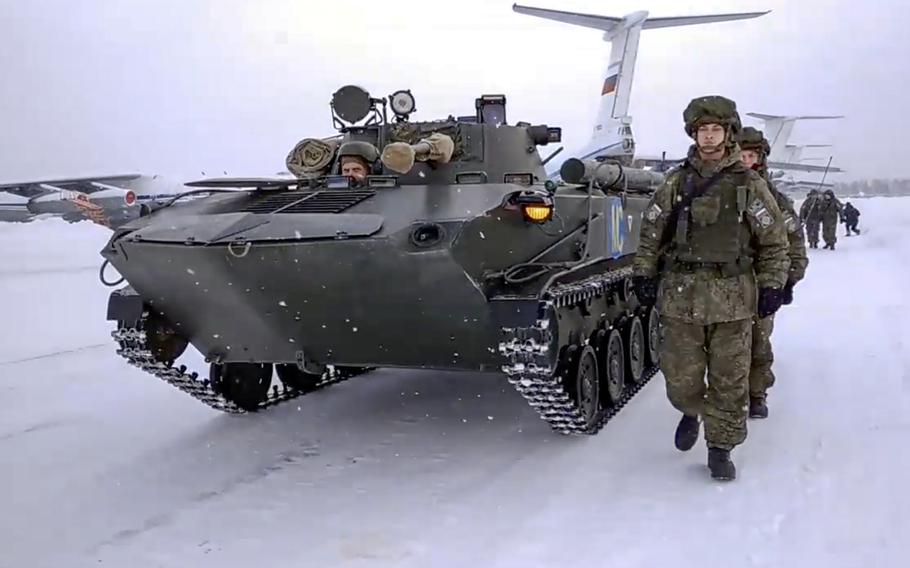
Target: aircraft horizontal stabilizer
(604, 23)
(762, 116)
(124, 177)
(802, 167)
(654, 23)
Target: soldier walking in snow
(808, 214)
(831, 212)
(712, 247)
(851, 218)
(755, 150)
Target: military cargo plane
(109, 200)
(788, 157)
(612, 133)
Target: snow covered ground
(101, 465)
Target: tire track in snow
(281, 461)
(46, 271)
(49, 425)
(54, 354)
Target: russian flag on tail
(609, 84)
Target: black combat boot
(721, 466)
(686, 433)
(757, 407)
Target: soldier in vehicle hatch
(713, 249)
(356, 159)
(755, 150)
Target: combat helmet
(712, 109)
(754, 139)
(360, 149)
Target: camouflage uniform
(809, 214)
(831, 212)
(726, 244)
(761, 377)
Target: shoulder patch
(791, 223)
(760, 213)
(653, 212)
(756, 207)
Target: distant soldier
(851, 218)
(831, 212)
(755, 152)
(808, 214)
(713, 248)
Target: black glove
(645, 288)
(787, 297)
(769, 300)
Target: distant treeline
(879, 187)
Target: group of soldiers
(721, 250)
(826, 210)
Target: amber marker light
(537, 213)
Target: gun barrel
(574, 170)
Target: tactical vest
(712, 233)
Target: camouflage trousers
(812, 230)
(687, 351)
(829, 231)
(761, 378)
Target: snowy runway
(101, 465)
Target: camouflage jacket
(709, 296)
(808, 211)
(799, 259)
(830, 210)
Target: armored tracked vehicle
(454, 251)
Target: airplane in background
(73, 199)
(109, 200)
(787, 157)
(612, 134)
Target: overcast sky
(184, 86)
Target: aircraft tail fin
(612, 133)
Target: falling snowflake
(482, 235)
(190, 271)
(283, 304)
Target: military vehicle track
(134, 348)
(533, 371)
